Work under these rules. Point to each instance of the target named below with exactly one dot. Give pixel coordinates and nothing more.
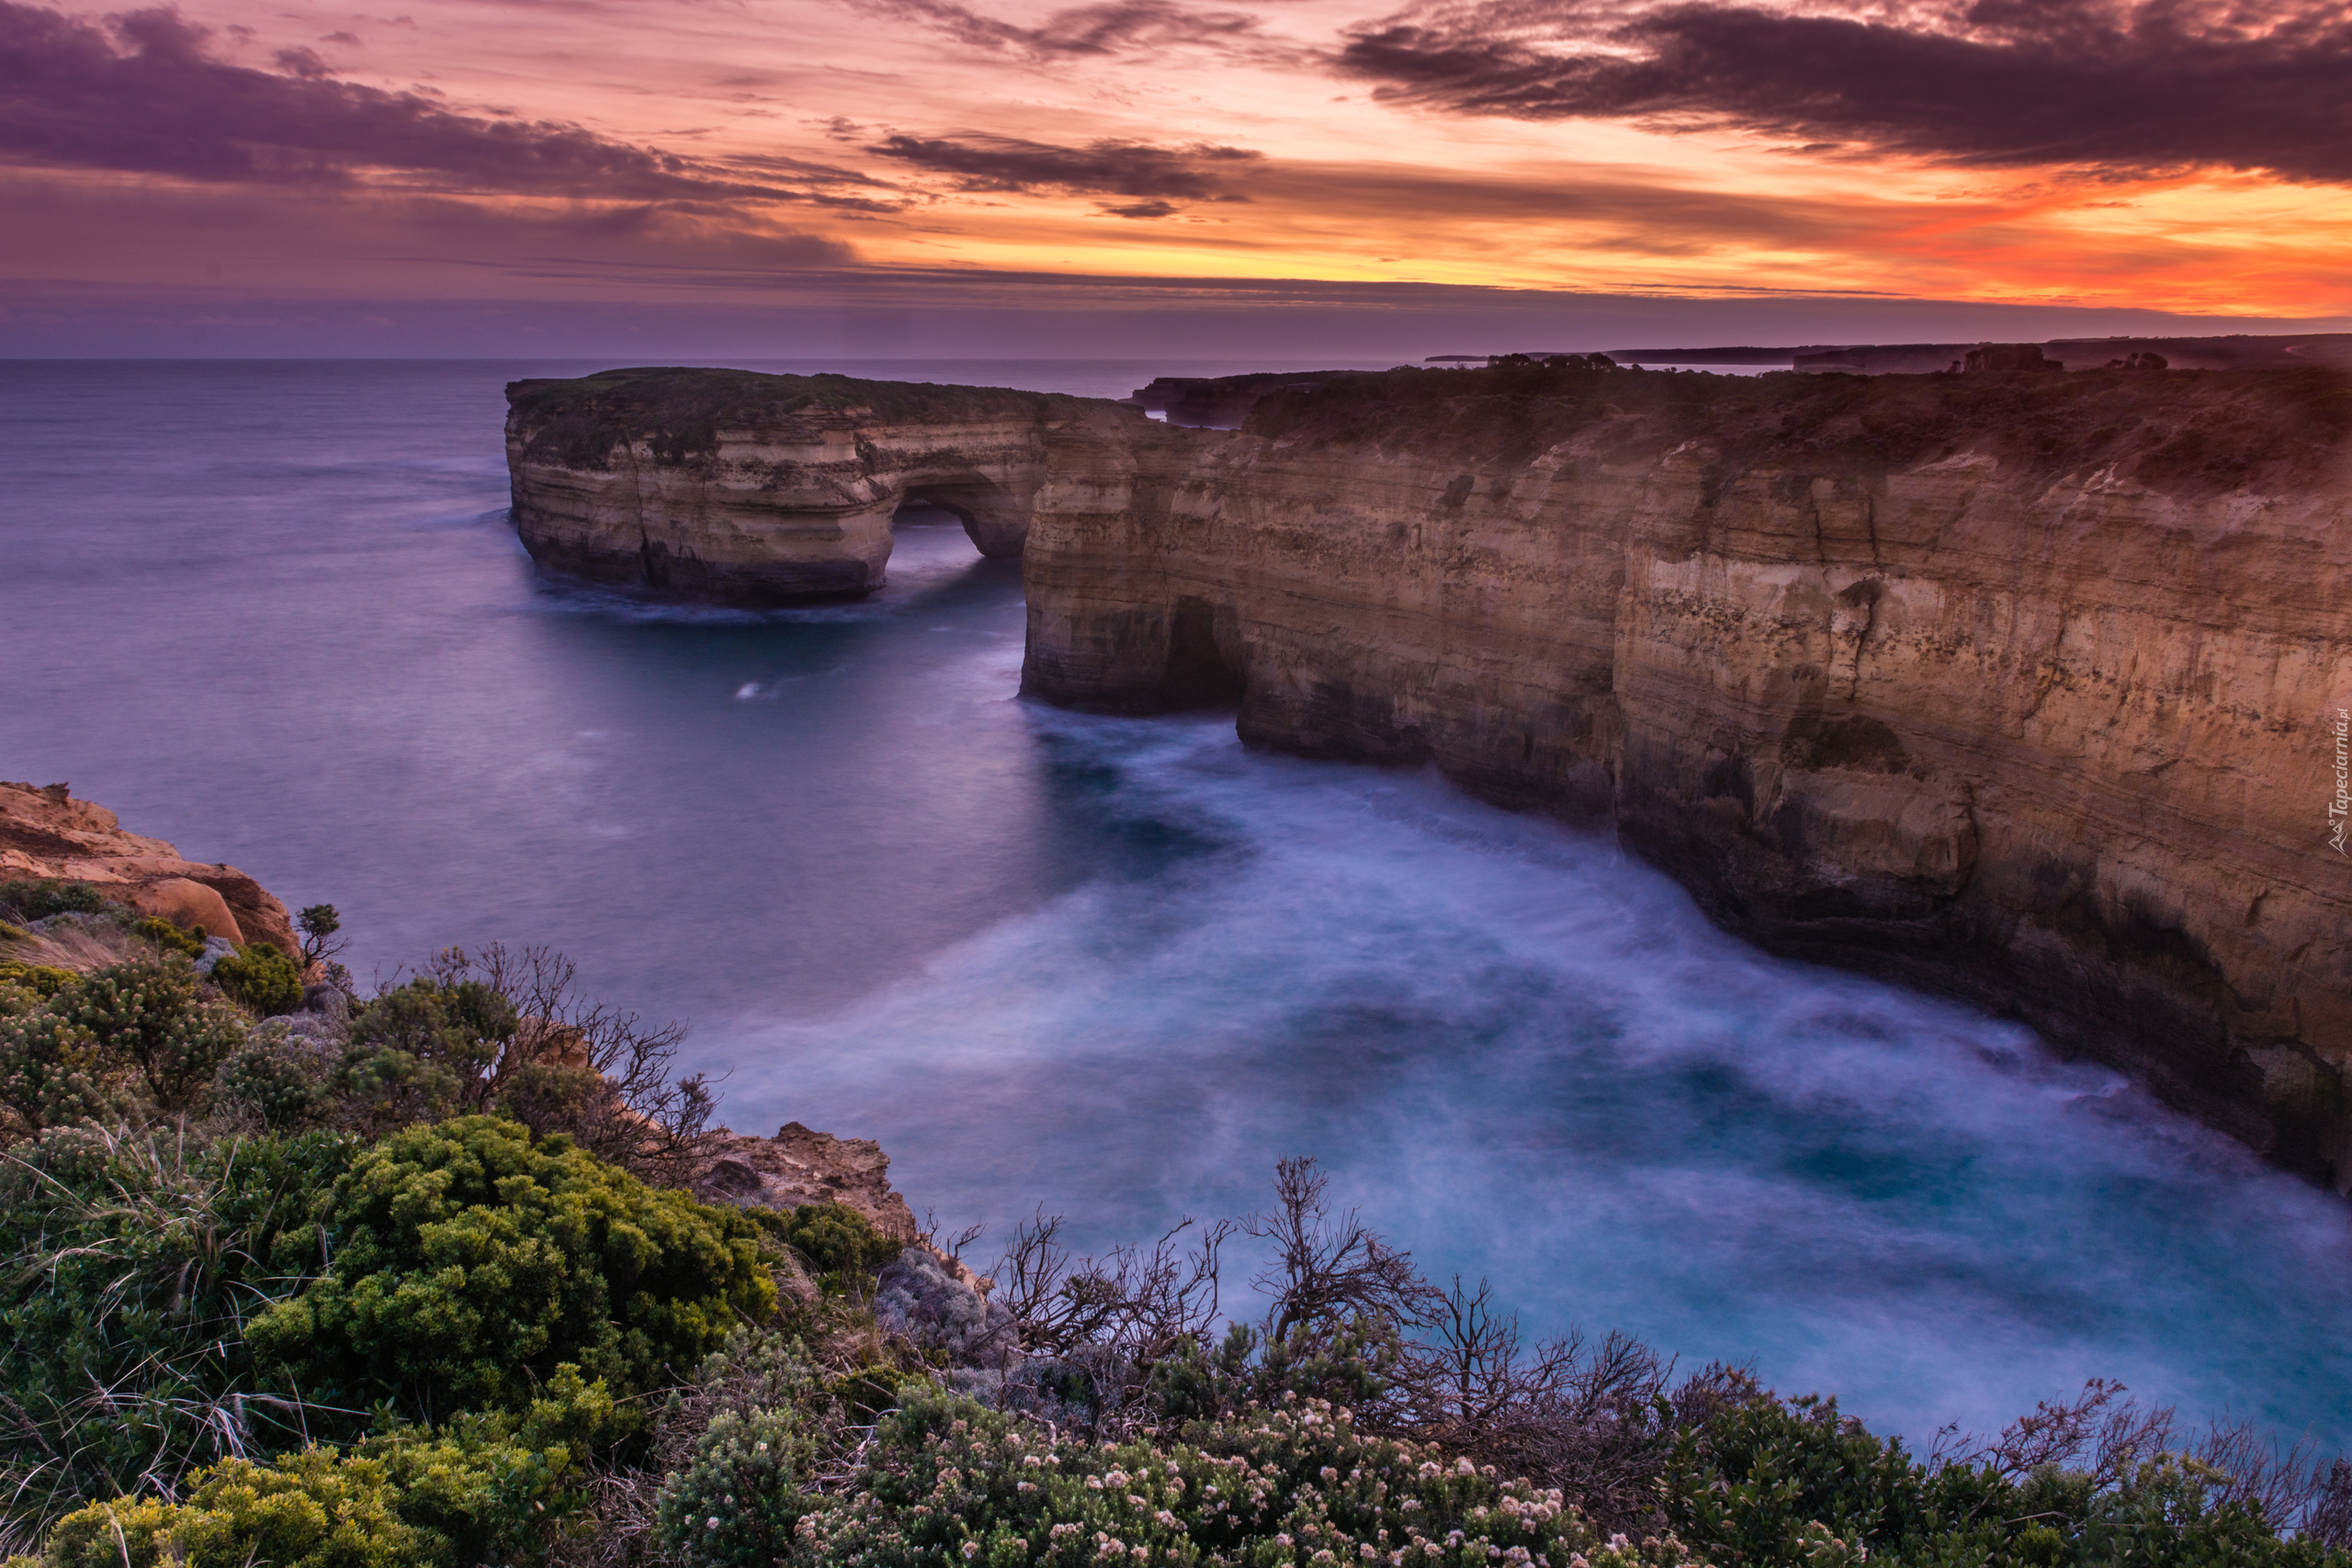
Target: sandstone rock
(190, 905)
(743, 489)
(798, 1166)
(2024, 688)
(45, 832)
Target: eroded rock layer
(735, 487)
(2030, 688)
(45, 833)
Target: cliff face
(47, 833)
(2028, 688)
(743, 489)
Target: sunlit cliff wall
(2023, 688)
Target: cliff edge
(2027, 688)
(45, 833)
(736, 488)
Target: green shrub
(38, 898)
(261, 977)
(37, 979)
(283, 1085)
(1773, 1483)
(147, 1015)
(315, 1509)
(53, 1074)
(949, 1483)
(100, 1041)
(840, 1243)
(423, 1050)
(735, 1503)
(471, 1263)
(137, 1262)
(169, 937)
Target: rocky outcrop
(46, 834)
(2026, 687)
(733, 488)
(798, 1166)
(1221, 402)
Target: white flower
(712, 1523)
(1464, 1467)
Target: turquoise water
(275, 614)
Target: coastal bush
(950, 1484)
(1772, 1481)
(97, 1042)
(38, 898)
(487, 1490)
(314, 1509)
(281, 1084)
(169, 937)
(150, 1016)
(841, 1245)
(735, 1501)
(138, 1260)
(261, 977)
(472, 1262)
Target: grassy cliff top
(680, 410)
(2175, 431)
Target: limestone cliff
(735, 487)
(47, 833)
(2030, 688)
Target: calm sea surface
(274, 613)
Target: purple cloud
(2139, 85)
(143, 93)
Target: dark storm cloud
(144, 94)
(2151, 85)
(1101, 168)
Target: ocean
(1110, 968)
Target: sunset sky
(844, 174)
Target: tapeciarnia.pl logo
(2340, 807)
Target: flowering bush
(953, 1484)
(95, 1045)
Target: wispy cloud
(1159, 176)
(2132, 85)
